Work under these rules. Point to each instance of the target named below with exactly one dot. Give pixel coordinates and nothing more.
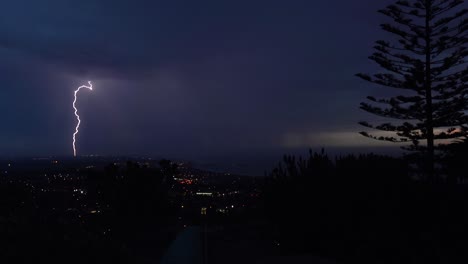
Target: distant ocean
(251, 163)
(259, 163)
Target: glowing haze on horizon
(90, 87)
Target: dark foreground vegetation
(371, 209)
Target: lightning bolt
(77, 129)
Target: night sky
(185, 78)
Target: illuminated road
(187, 248)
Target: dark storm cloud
(79, 35)
(124, 37)
(183, 76)
(135, 36)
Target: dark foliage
(366, 209)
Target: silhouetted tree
(427, 63)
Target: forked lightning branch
(77, 129)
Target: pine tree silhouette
(427, 63)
